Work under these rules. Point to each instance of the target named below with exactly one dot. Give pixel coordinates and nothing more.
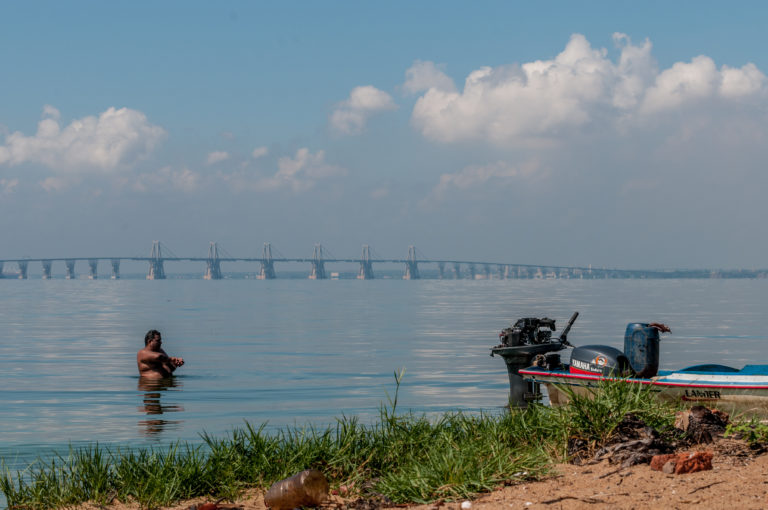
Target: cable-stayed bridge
(446, 268)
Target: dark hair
(150, 335)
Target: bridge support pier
(441, 269)
(318, 265)
(156, 269)
(23, 269)
(267, 264)
(115, 269)
(472, 271)
(457, 270)
(93, 265)
(213, 269)
(70, 265)
(366, 266)
(411, 267)
(487, 271)
(47, 269)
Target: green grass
(402, 457)
(594, 417)
(752, 431)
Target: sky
(616, 134)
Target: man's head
(151, 336)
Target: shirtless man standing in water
(153, 361)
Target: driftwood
(634, 442)
(700, 424)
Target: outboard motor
(640, 357)
(520, 343)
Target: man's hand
(177, 362)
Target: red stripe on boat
(585, 372)
(593, 376)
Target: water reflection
(153, 406)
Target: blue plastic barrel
(641, 346)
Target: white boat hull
(743, 392)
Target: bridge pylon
(213, 269)
(267, 264)
(411, 267)
(318, 265)
(366, 266)
(457, 270)
(23, 269)
(93, 265)
(441, 269)
(472, 271)
(156, 269)
(47, 269)
(115, 269)
(70, 265)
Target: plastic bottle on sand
(308, 488)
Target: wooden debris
(701, 425)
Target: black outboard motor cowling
(528, 331)
(599, 360)
(640, 357)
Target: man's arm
(155, 361)
(171, 363)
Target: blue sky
(618, 134)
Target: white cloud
(425, 75)
(52, 112)
(164, 179)
(56, 184)
(117, 137)
(700, 80)
(8, 186)
(259, 152)
(380, 193)
(581, 87)
(351, 115)
(743, 82)
(684, 82)
(298, 173)
(185, 180)
(635, 71)
(476, 176)
(217, 157)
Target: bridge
(456, 269)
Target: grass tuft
(593, 416)
(401, 457)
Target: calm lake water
(293, 352)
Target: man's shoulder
(145, 353)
